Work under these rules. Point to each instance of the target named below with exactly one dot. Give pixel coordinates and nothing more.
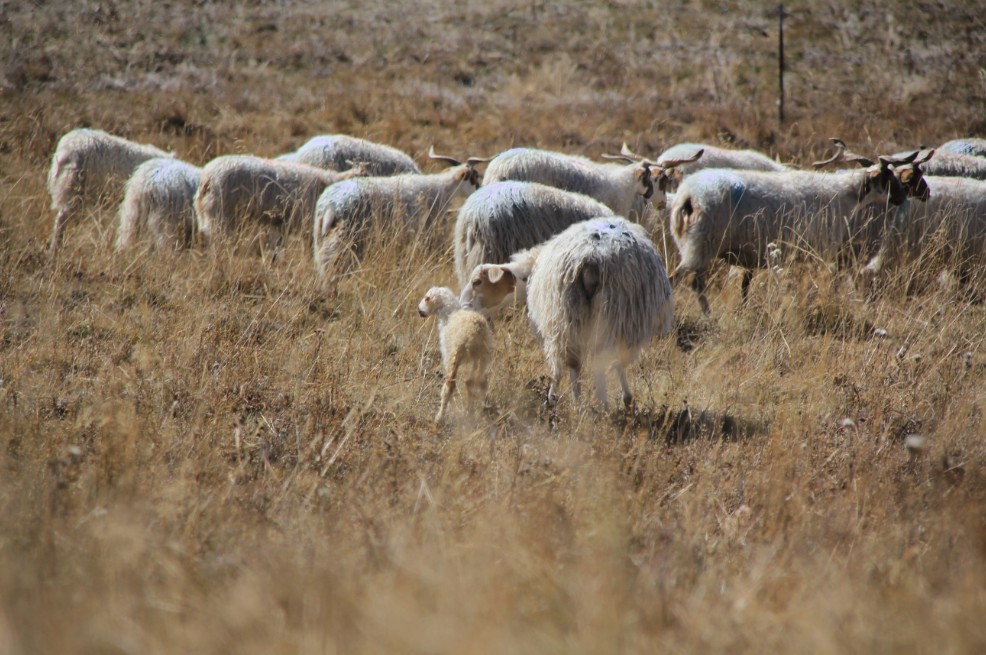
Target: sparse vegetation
(204, 452)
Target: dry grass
(205, 453)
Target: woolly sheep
(159, 200)
(968, 146)
(345, 212)
(950, 208)
(338, 151)
(624, 188)
(90, 166)
(596, 293)
(507, 217)
(466, 341)
(240, 190)
(734, 215)
(952, 164)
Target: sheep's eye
(476, 282)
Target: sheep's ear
(590, 277)
(495, 273)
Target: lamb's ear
(590, 277)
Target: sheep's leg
(599, 381)
(56, 234)
(447, 390)
(627, 394)
(745, 288)
(698, 285)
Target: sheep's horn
(930, 154)
(626, 152)
(472, 161)
(671, 163)
(839, 154)
(450, 160)
(625, 158)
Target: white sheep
(159, 201)
(346, 212)
(466, 341)
(236, 191)
(91, 166)
(967, 146)
(339, 151)
(734, 215)
(951, 164)
(624, 188)
(506, 217)
(597, 293)
(945, 216)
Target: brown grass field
(204, 453)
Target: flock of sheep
(562, 233)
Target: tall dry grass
(203, 452)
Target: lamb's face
(438, 301)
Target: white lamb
(159, 201)
(91, 166)
(624, 188)
(506, 217)
(597, 293)
(237, 191)
(734, 215)
(339, 151)
(466, 341)
(346, 212)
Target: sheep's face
(881, 184)
(645, 181)
(912, 179)
(469, 179)
(489, 287)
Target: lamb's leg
(447, 389)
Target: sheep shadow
(687, 424)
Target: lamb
(734, 215)
(596, 293)
(466, 340)
(90, 166)
(968, 146)
(338, 151)
(239, 190)
(623, 188)
(951, 208)
(507, 217)
(345, 212)
(159, 200)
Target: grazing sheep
(466, 340)
(624, 188)
(90, 166)
(968, 146)
(339, 151)
(240, 190)
(734, 215)
(345, 212)
(950, 164)
(713, 157)
(507, 217)
(945, 217)
(159, 200)
(596, 293)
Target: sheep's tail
(683, 215)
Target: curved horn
(839, 154)
(450, 160)
(626, 152)
(472, 161)
(925, 158)
(671, 163)
(625, 158)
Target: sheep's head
(909, 172)
(662, 174)
(438, 301)
(465, 171)
(490, 285)
(879, 182)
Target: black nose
(421, 313)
